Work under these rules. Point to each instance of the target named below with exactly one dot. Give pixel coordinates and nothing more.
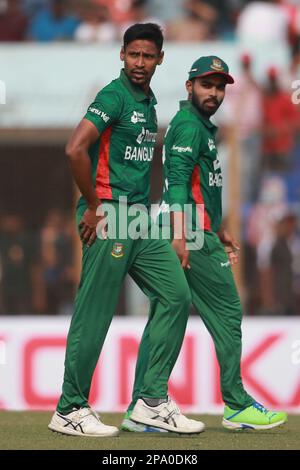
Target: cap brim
(229, 78)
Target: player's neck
(145, 88)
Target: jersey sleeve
(183, 156)
(105, 110)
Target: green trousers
(154, 266)
(215, 297)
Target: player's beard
(201, 106)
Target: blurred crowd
(265, 117)
(37, 272)
(182, 20)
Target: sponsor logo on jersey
(142, 154)
(215, 179)
(100, 113)
(137, 117)
(182, 149)
(217, 164)
(211, 144)
(118, 250)
(225, 265)
(146, 136)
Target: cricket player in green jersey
(193, 177)
(110, 155)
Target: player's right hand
(89, 225)
(183, 254)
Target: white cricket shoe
(82, 422)
(165, 416)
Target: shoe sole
(243, 426)
(72, 432)
(131, 426)
(165, 426)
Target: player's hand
(183, 254)
(233, 254)
(88, 225)
(231, 246)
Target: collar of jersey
(136, 91)
(189, 105)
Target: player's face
(141, 58)
(207, 93)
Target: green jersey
(192, 170)
(121, 157)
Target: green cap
(210, 65)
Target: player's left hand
(183, 254)
(93, 222)
(231, 246)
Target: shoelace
(260, 408)
(87, 412)
(173, 408)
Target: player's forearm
(178, 225)
(221, 231)
(82, 172)
(178, 194)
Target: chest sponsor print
(211, 145)
(139, 154)
(137, 117)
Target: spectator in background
(285, 251)
(120, 11)
(96, 25)
(243, 110)
(18, 255)
(260, 228)
(292, 8)
(280, 124)
(13, 22)
(57, 269)
(166, 11)
(228, 12)
(53, 23)
(227, 16)
(139, 14)
(198, 24)
(263, 21)
(30, 7)
(291, 74)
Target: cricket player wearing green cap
(110, 155)
(193, 176)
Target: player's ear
(161, 57)
(122, 53)
(189, 86)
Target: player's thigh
(106, 262)
(212, 283)
(157, 271)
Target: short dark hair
(148, 31)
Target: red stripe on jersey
(198, 198)
(103, 188)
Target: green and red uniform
(193, 176)
(192, 170)
(121, 159)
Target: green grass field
(28, 430)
